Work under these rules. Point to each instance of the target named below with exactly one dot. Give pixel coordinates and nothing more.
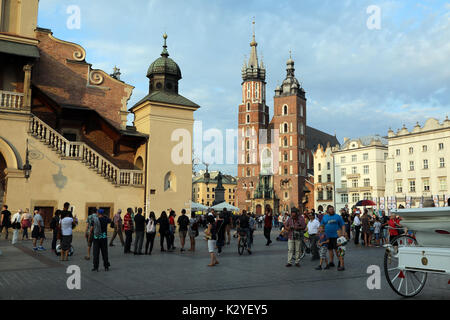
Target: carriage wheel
(241, 246)
(404, 282)
(302, 249)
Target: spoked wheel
(302, 249)
(404, 282)
(241, 246)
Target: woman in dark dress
(220, 227)
(163, 222)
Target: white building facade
(418, 165)
(360, 170)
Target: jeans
(117, 231)
(128, 240)
(100, 245)
(294, 248)
(25, 233)
(138, 241)
(7, 232)
(267, 233)
(249, 237)
(150, 240)
(357, 231)
(165, 235)
(54, 239)
(313, 238)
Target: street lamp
(27, 166)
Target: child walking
(322, 243)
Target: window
(286, 170)
(343, 171)
(426, 185)
(411, 150)
(354, 183)
(344, 184)
(320, 166)
(425, 164)
(385, 156)
(366, 169)
(248, 106)
(285, 128)
(424, 148)
(366, 182)
(170, 182)
(328, 166)
(285, 110)
(320, 178)
(320, 194)
(355, 197)
(285, 142)
(247, 119)
(365, 156)
(399, 186)
(412, 185)
(443, 184)
(344, 198)
(367, 196)
(441, 146)
(328, 177)
(342, 159)
(441, 163)
(285, 156)
(354, 170)
(399, 167)
(397, 152)
(354, 158)
(329, 194)
(411, 166)
(248, 172)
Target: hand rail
(81, 151)
(11, 100)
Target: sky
(358, 80)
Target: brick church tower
(253, 124)
(290, 119)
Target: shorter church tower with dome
(165, 116)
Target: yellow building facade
(203, 189)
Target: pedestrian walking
(5, 221)
(322, 244)
(99, 227)
(38, 232)
(313, 230)
(228, 221)
(365, 223)
(164, 232)
(221, 232)
(268, 224)
(357, 224)
(67, 223)
(183, 223)
(118, 228)
(332, 223)
(15, 224)
(193, 231)
(172, 229)
(384, 227)
(295, 227)
(150, 233)
(139, 222)
(128, 228)
(89, 233)
(211, 233)
(54, 225)
(26, 223)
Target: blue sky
(358, 81)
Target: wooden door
(47, 215)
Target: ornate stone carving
(95, 77)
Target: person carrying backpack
(193, 231)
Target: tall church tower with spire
(253, 123)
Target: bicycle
(305, 245)
(242, 243)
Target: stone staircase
(70, 150)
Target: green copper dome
(164, 65)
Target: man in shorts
(183, 222)
(38, 231)
(332, 223)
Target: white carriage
(409, 259)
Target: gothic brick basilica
(275, 157)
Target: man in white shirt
(313, 230)
(357, 224)
(67, 223)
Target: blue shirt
(322, 238)
(332, 224)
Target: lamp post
(27, 166)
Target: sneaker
(319, 268)
(341, 269)
(35, 249)
(327, 267)
(41, 248)
(331, 264)
(288, 265)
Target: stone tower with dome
(168, 118)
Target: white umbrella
(198, 207)
(226, 205)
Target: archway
(139, 163)
(258, 210)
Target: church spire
(253, 61)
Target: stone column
(27, 87)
